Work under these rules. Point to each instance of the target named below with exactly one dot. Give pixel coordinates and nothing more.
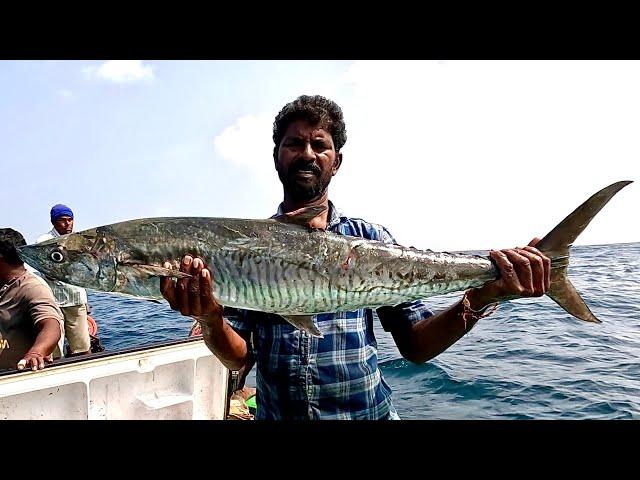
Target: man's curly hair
(318, 111)
(9, 240)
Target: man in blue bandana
(72, 300)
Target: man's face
(306, 161)
(63, 225)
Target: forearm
(47, 338)
(433, 335)
(223, 341)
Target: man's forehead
(303, 128)
(64, 217)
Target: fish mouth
(23, 253)
(29, 256)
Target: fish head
(84, 259)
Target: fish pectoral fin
(302, 216)
(304, 323)
(155, 271)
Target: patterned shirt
(336, 377)
(66, 295)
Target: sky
(448, 155)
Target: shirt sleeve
(42, 305)
(239, 320)
(404, 315)
(44, 237)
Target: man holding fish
(302, 285)
(328, 369)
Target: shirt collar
(334, 214)
(54, 232)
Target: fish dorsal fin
(302, 216)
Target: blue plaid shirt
(336, 377)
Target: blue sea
(529, 360)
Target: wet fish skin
(281, 266)
(261, 265)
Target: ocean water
(529, 360)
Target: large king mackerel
(281, 266)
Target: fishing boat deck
(181, 381)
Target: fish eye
(57, 256)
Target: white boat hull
(179, 382)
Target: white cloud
(121, 71)
(477, 154)
(247, 143)
(465, 155)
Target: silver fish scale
(287, 269)
(270, 266)
(338, 273)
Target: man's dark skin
(48, 328)
(63, 225)
(306, 160)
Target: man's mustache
(304, 166)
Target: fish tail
(557, 244)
